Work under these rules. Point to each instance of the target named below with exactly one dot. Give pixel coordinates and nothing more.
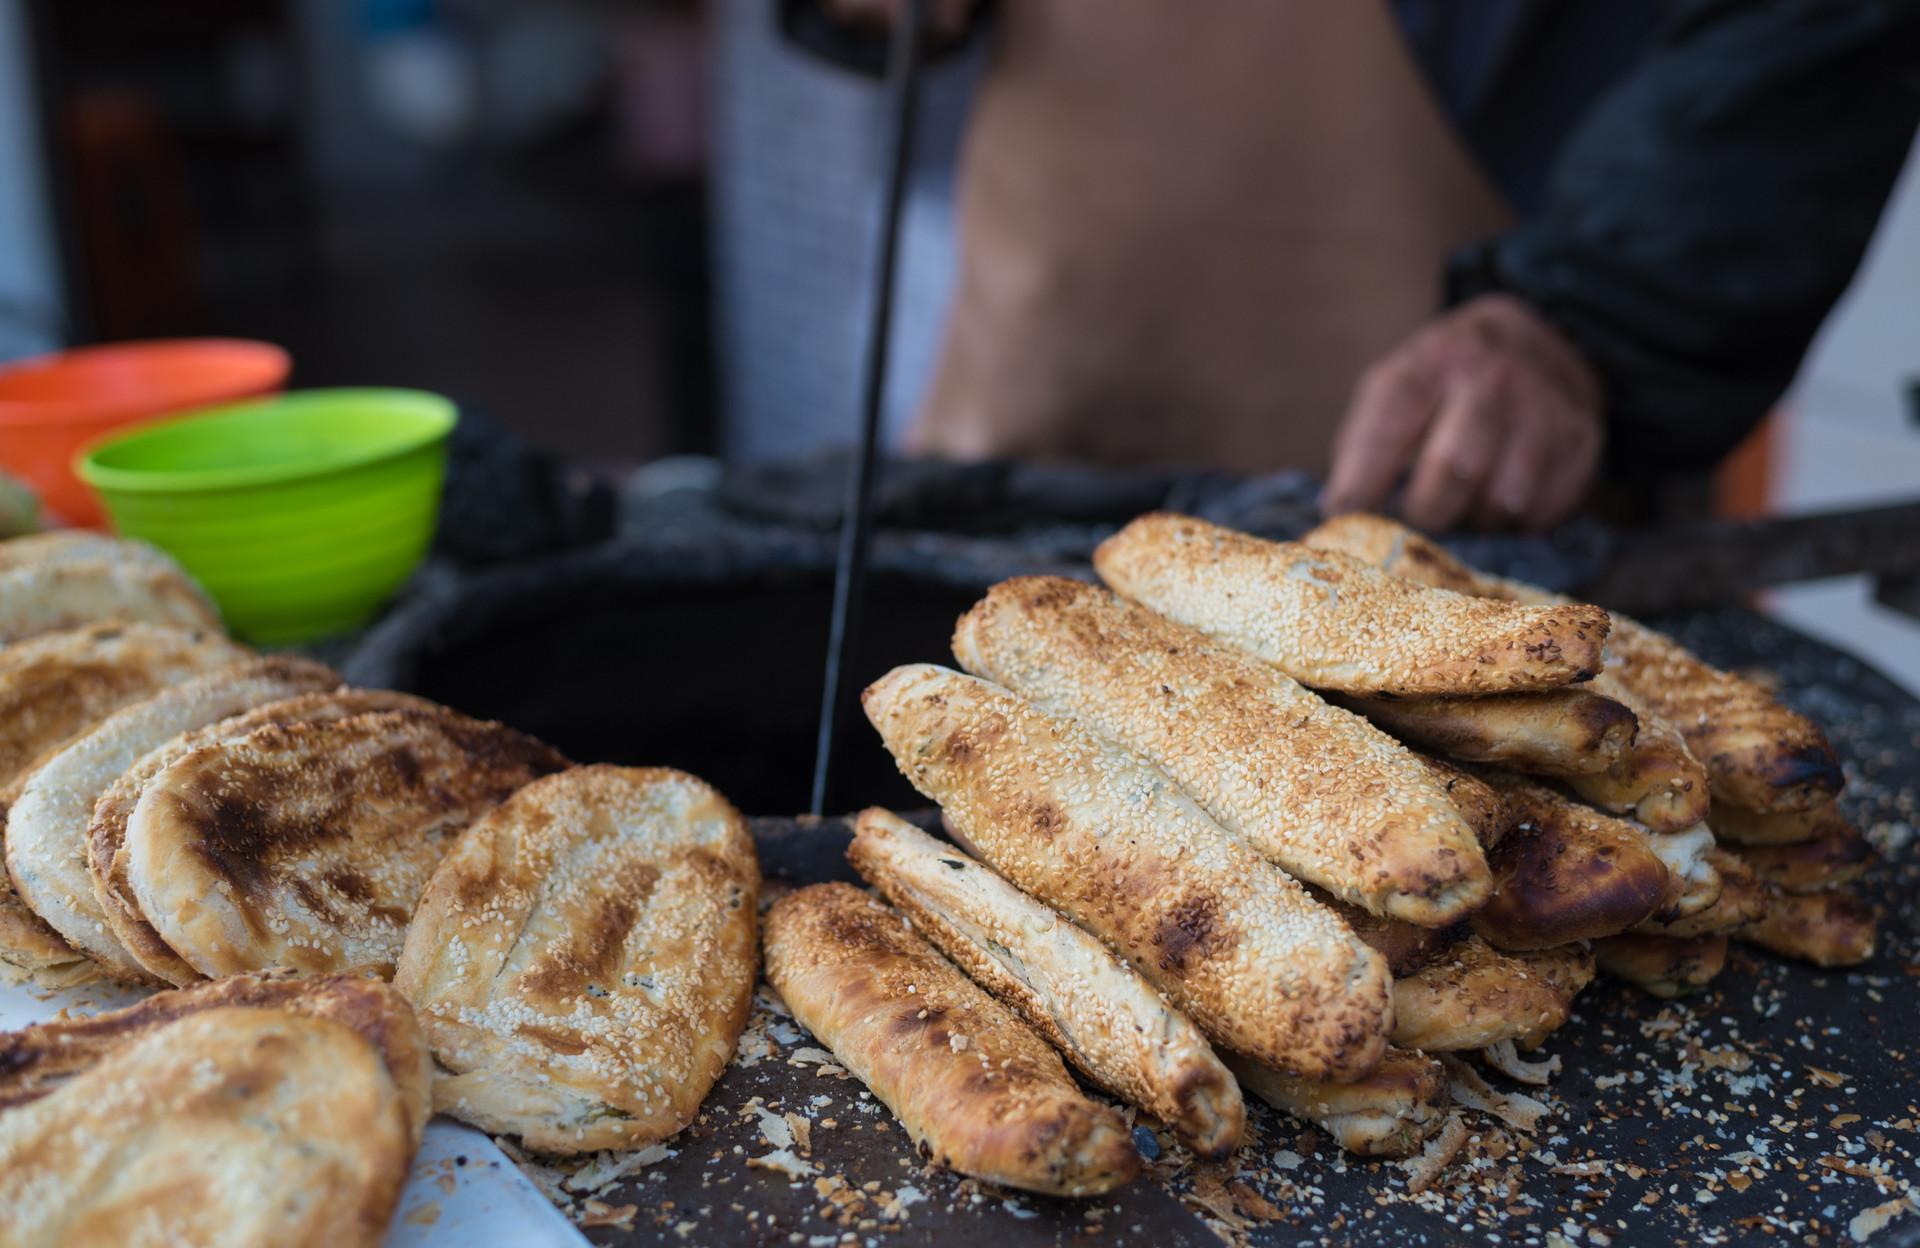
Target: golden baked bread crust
(39, 1059)
(1565, 872)
(46, 842)
(53, 688)
(1331, 621)
(1390, 1113)
(234, 1127)
(1827, 929)
(1103, 1018)
(1752, 827)
(1836, 854)
(1662, 965)
(1483, 809)
(38, 597)
(1317, 790)
(107, 859)
(307, 844)
(1107, 839)
(975, 1088)
(1657, 781)
(1759, 755)
(1470, 996)
(1742, 898)
(583, 959)
(1556, 732)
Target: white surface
(445, 1204)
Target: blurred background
(593, 221)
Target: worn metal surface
(1775, 1107)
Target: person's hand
(1496, 413)
(946, 19)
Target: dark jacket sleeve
(864, 50)
(1711, 209)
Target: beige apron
(1186, 227)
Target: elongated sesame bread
(1107, 839)
(1483, 809)
(583, 959)
(1662, 965)
(1106, 1021)
(52, 688)
(977, 1090)
(1471, 995)
(46, 842)
(1760, 755)
(107, 857)
(1657, 781)
(1405, 946)
(42, 597)
(1333, 622)
(230, 1129)
(1557, 732)
(58, 547)
(1566, 872)
(1837, 854)
(1313, 788)
(39, 1059)
(1751, 827)
(1742, 898)
(1833, 928)
(306, 845)
(1390, 1113)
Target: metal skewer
(850, 573)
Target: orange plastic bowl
(52, 405)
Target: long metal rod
(850, 573)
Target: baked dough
(1317, 790)
(1759, 755)
(1565, 872)
(1741, 899)
(53, 688)
(1108, 840)
(1657, 781)
(1837, 854)
(1471, 996)
(1556, 732)
(583, 958)
(1827, 929)
(1331, 621)
(38, 1059)
(975, 1088)
(1750, 827)
(1662, 965)
(306, 845)
(107, 859)
(1106, 1021)
(234, 1127)
(42, 597)
(46, 841)
(1390, 1113)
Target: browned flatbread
(1657, 781)
(1663, 965)
(1565, 872)
(230, 1128)
(307, 845)
(1826, 929)
(53, 688)
(1390, 1113)
(41, 1058)
(1331, 621)
(1837, 854)
(1101, 1015)
(975, 1088)
(583, 958)
(1558, 732)
(1759, 755)
(107, 858)
(1317, 790)
(1470, 996)
(1108, 840)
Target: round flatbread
(307, 845)
(45, 595)
(46, 842)
(53, 688)
(232, 1127)
(583, 960)
(107, 860)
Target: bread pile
(574, 946)
(1199, 848)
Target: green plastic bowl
(301, 514)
